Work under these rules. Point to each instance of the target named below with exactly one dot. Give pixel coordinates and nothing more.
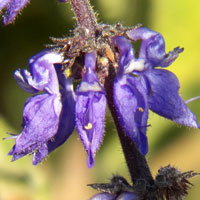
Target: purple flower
(12, 9)
(90, 109)
(107, 196)
(41, 112)
(140, 86)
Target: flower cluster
(50, 116)
(12, 9)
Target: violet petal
(42, 74)
(40, 154)
(20, 76)
(152, 48)
(3, 3)
(164, 98)
(126, 53)
(130, 101)
(103, 196)
(13, 8)
(90, 109)
(126, 50)
(40, 124)
(127, 196)
(67, 117)
(129, 96)
(90, 114)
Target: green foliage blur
(64, 174)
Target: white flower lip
(85, 87)
(134, 65)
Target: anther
(67, 72)
(110, 54)
(104, 61)
(140, 109)
(88, 126)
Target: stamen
(13, 136)
(145, 126)
(88, 126)
(67, 72)
(110, 54)
(192, 99)
(104, 61)
(140, 109)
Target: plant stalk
(85, 15)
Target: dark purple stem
(136, 162)
(85, 16)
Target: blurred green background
(64, 174)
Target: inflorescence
(95, 55)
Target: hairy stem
(85, 16)
(136, 162)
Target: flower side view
(140, 86)
(42, 112)
(12, 8)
